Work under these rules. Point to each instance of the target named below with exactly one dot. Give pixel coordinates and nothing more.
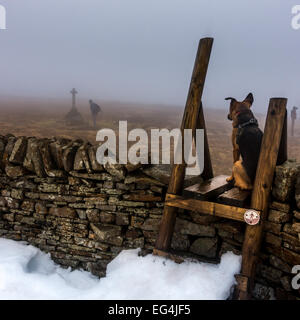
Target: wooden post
(208, 169)
(261, 191)
(283, 149)
(189, 121)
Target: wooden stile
(262, 187)
(210, 197)
(190, 119)
(208, 169)
(283, 149)
(208, 189)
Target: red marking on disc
(252, 217)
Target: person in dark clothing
(294, 117)
(95, 109)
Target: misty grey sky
(144, 50)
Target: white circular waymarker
(252, 217)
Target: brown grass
(44, 118)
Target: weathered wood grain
(206, 207)
(262, 187)
(189, 121)
(208, 189)
(235, 197)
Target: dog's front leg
(241, 178)
(236, 151)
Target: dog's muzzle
(229, 117)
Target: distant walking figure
(95, 109)
(294, 117)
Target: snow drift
(28, 273)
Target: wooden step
(168, 255)
(235, 197)
(208, 189)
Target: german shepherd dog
(246, 141)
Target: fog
(144, 50)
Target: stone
(122, 219)
(92, 176)
(93, 215)
(269, 273)
(133, 233)
(297, 191)
(142, 179)
(9, 217)
(133, 167)
(81, 161)
(287, 228)
(296, 214)
(34, 157)
(286, 283)
(110, 234)
(27, 163)
(279, 264)
(106, 217)
(96, 166)
(180, 242)
(136, 222)
(151, 224)
(161, 172)
(285, 179)
(8, 150)
(57, 150)
(28, 205)
(2, 148)
(273, 240)
(293, 240)
(142, 197)
(296, 227)
(64, 212)
(206, 247)
(202, 218)
(230, 226)
(17, 194)
(18, 152)
(272, 227)
(12, 203)
(285, 207)
(190, 228)
(262, 292)
(228, 247)
(116, 170)
(278, 216)
(3, 201)
(14, 171)
(68, 156)
(41, 208)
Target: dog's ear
(229, 98)
(249, 99)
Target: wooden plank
(208, 189)
(208, 169)
(235, 197)
(168, 255)
(189, 121)
(242, 282)
(206, 207)
(262, 187)
(283, 149)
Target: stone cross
(74, 92)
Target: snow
(28, 273)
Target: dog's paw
(244, 187)
(229, 179)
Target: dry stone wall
(54, 195)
